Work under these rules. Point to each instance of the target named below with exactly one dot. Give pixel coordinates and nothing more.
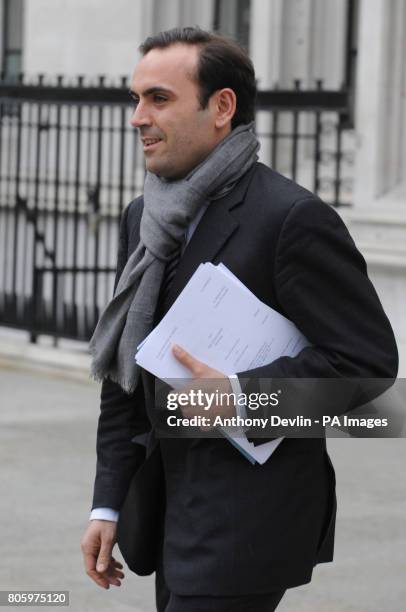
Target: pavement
(48, 415)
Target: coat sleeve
(322, 285)
(122, 416)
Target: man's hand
(209, 381)
(97, 545)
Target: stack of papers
(218, 320)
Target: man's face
(176, 133)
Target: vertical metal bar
(2, 214)
(74, 327)
(110, 174)
(275, 135)
(350, 52)
(105, 220)
(19, 225)
(338, 159)
(46, 232)
(317, 152)
(295, 137)
(111, 206)
(16, 249)
(8, 181)
(122, 153)
(274, 151)
(35, 297)
(90, 192)
(5, 34)
(216, 16)
(294, 144)
(56, 217)
(66, 254)
(99, 150)
(27, 261)
(133, 162)
(317, 147)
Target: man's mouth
(150, 143)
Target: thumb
(186, 359)
(104, 557)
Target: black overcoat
(231, 527)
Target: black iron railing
(70, 162)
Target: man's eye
(159, 99)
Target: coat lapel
(215, 228)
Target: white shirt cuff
(104, 514)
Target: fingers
(112, 575)
(114, 569)
(90, 566)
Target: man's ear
(225, 102)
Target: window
(232, 17)
(12, 37)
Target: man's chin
(161, 170)
(154, 166)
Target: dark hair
(222, 63)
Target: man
(235, 536)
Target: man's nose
(140, 116)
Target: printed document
(221, 322)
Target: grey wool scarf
(169, 207)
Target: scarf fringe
(99, 375)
